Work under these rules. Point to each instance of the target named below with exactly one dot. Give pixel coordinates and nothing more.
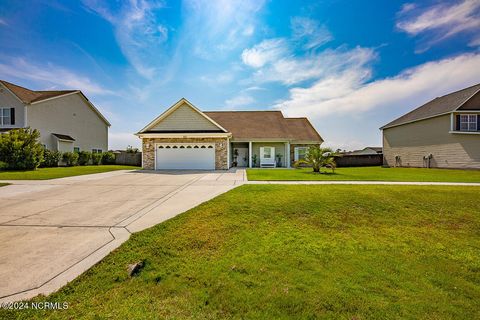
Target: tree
(317, 158)
(20, 149)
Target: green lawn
(60, 172)
(295, 252)
(368, 174)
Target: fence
(128, 158)
(361, 160)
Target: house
(183, 137)
(66, 119)
(364, 151)
(443, 133)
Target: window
(300, 153)
(468, 122)
(76, 149)
(5, 117)
(267, 152)
(96, 150)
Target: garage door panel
(191, 157)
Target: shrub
(51, 158)
(96, 158)
(70, 158)
(20, 149)
(84, 157)
(108, 158)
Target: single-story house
(184, 137)
(443, 133)
(66, 119)
(365, 151)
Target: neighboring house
(443, 133)
(183, 137)
(66, 119)
(365, 151)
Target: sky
(350, 66)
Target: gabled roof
(438, 106)
(170, 110)
(265, 125)
(28, 96)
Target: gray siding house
(184, 137)
(443, 133)
(66, 119)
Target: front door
(267, 156)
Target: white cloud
(3, 22)
(121, 140)
(214, 27)
(239, 101)
(54, 76)
(137, 32)
(349, 92)
(309, 32)
(265, 52)
(440, 21)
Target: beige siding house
(183, 137)
(443, 133)
(66, 119)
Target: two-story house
(443, 133)
(66, 119)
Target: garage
(185, 156)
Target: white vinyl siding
(184, 118)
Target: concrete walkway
(51, 231)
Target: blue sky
(350, 66)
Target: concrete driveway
(51, 231)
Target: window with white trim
(300, 152)
(468, 122)
(5, 116)
(267, 152)
(96, 150)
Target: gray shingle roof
(437, 106)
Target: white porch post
(228, 153)
(250, 154)
(287, 154)
(452, 121)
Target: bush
(108, 158)
(20, 149)
(51, 158)
(96, 158)
(84, 157)
(70, 158)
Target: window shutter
(458, 122)
(478, 122)
(12, 116)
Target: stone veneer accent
(149, 152)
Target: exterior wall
(72, 116)
(148, 149)
(431, 136)
(473, 103)
(64, 146)
(279, 149)
(184, 118)
(8, 100)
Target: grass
(368, 174)
(60, 172)
(294, 252)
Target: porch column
(228, 153)
(287, 154)
(250, 154)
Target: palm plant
(317, 158)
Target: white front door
(185, 156)
(267, 155)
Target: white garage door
(185, 156)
